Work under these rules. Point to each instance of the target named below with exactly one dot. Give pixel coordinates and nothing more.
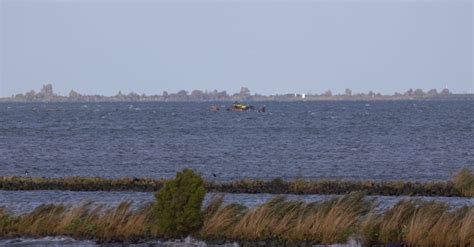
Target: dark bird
(26, 172)
(214, 175)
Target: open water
(384, 140)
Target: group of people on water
(239, 107)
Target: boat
(240, 107)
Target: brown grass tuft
(325, 222)
(464, 182)
(420, 223)
(409, 222)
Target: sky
(271, 47)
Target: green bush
(178, 207)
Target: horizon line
(189, 91)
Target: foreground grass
(461, 185)
(409, 222)
(82, 222)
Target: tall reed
(410, 222)
(86, 221)
(289, 221)
(420, 223)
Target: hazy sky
(268, 46)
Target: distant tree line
(47, 94)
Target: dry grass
(464, 182)
(289, 221)
(86, 221)
(418, 223)
(411, 222)
(219, 220)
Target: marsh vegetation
(411, 222)
(178, 212)
(461, 185)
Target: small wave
(47, 241)
(187, 242)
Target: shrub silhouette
(178, 208)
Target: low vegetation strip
(461, 185)
(178, 212)
(387, 188)
(277, 222)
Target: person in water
(215, 108)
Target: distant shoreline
(104, 99)
(46, 94)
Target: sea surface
(382, 140)
(20, 202)
(187, 242)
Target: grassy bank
(279, 221)
(461, 185)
